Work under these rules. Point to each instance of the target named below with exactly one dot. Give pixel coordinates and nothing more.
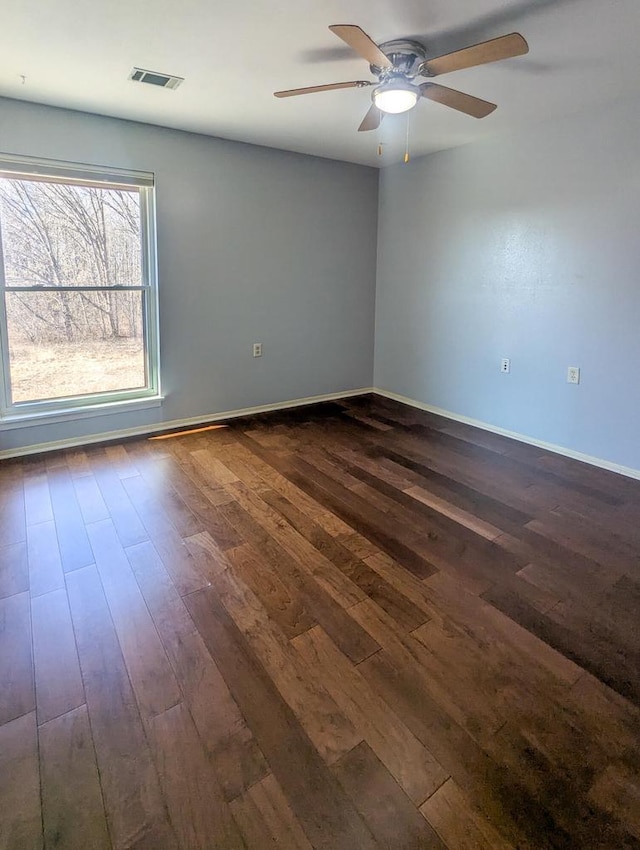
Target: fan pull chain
(406, 146)
(380, 149)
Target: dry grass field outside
(59, 370)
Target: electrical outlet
(573, 375)
(257, 349)
(505, 365)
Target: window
(78, 312)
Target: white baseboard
(160, 427)
(194, 421)
(629, 471)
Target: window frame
(69, 407)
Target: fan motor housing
(406, 56)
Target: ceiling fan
(397, 63)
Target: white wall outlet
(505, 365)
(257, 349)
(573, 375)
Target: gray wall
(253, 245)
(525, 246)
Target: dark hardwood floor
(349, 626)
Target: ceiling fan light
(395, 97)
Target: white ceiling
(583, 53)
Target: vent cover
(154, 78)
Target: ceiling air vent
(153, 78)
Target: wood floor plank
(549, 580)
(309, 558)
(17, 694)
(586, 651)
(355, 510)
(20, 816)
(447, 595)
(148, 506)
(234, 458)
(14, 569)
(572, 574)
(265, 818)
(55, 460)
(454, 545)
(558, 807)
(167, 471)
(285, 605)
(12, 514)
(612, 721)
(57, 671)
(404, 582)
(209, 557)
(565, 527)
(277, 482)
(617, 790)
(615, 527)
(517, 687)
(389, 814)
(194, 471)
(478, 526)
(498, 513)
(154, 485)
(458, 824)
(198, 810)
(311, 530)
(251, 824)
(412, 765)
(370, 582)
(331, 732)
(45, 564)
(420, 455)
(237, 759)
(457, 484)
(133, 802)
(180, 561)
(92, 505)
(72, 812)
(239, 763)
(129, 528)
(73, 543)
(488, 786)
(616, 485)
(325, 813)
(151, 675)
(460, 691)
(77, 462)
(352, 639)
(507, 471)
(213, 468)
(37, 501)
(213, 708)
(359, 545)
(122, 460)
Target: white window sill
(50, 417)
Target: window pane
(54, 234)
(65, 344)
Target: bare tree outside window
(73, 288)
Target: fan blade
(362, 44)
(372, 119)
(355, 84)
(504, 47)
(457, 100)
